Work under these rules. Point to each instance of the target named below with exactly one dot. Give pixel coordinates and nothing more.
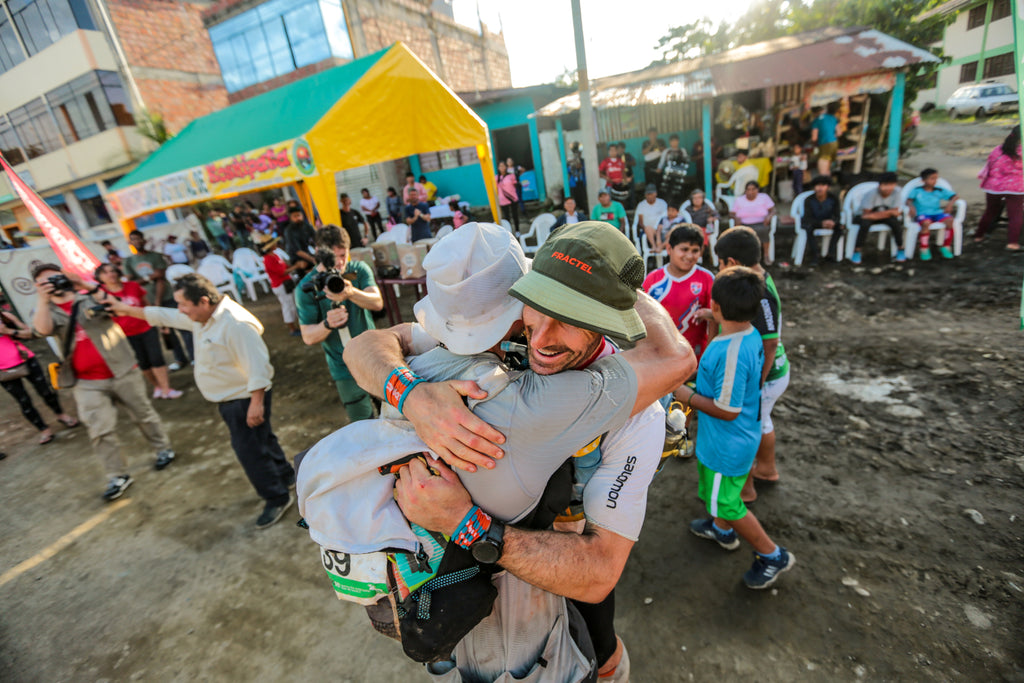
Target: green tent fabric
(281, 114)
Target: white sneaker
(174, 367)
(157, 394)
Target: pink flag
(73, 255)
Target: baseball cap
(586, 275)
(651, 187)
(469, 271)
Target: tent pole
(483, 152)
(562, 158)
(127, 225)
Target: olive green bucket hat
(586, 274)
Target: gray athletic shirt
(545, 419)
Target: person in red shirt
(613, 168)
(144, 338)
(281, 283)
(100, 365)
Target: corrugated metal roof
(947, 8)
(803, 58)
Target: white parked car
(982, 99)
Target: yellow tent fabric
(397, 108)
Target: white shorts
(288, 309)
(770, 393)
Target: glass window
(9, 145)
(43, 22)
(968, 72)
(1000, 65)
(449, 158)
(976, 17)
(306, 34)
(1000, 9)
(117, 98)
(35, 128)
(336, 29)
(95, 211)
(11, 53)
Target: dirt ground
(902, 462)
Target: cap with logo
(586, 275)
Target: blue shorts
(934, 218)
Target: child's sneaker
(705, 528)
(946, 252)
(855, 259)
(764, 572)
(901, 256)
(926, 254)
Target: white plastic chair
(800, 242)
(248, 266)
(444, 230)
(540, 229)
(735, 185)
(712, 236)
(508, 226)
(851, 207)
(639, 237)
(217, 270)
(399, 234)
(913, 229)
(176, 271)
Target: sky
(620, 35)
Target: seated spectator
(458, 218)
(280, 213)
(410, 185)
(609, 211)
(175, 252)
(394, 206)
(371, 210)
(571, 215)
(657, 235)
(821, 212)
(14, 354)
(755, 209)
(197, 247)
(651, 209)
(417, 217)
(925, 204)
(881, 206)
(702, 214)
(430, 187)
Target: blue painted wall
(466, 181)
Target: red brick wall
(169, 35)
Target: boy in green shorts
(728, 392)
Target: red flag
(73, 255)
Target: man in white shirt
(651, 210)
(232, 370)
(371, 210)
(177, 253)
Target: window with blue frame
(11, 53)
(43, 22)
(90, 104)
(278, 37)
(9, 145)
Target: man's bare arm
(663, 359)
(770, 346)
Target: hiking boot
(901, 256)
(164, 458)
(117, 486)
(856, 258)
(272, 514)
(765, 572)
(705, 528)
(926, 254)
(946, 252)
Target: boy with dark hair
(821, 212)
(727, 392)
(880, 206)
(683, 287)
(740, 247)
(925, 205)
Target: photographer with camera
(334, 302)
(101, 366)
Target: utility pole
(587, 123)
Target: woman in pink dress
(12, 354)
(1002, 179)
(508, 198)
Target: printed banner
(279, 164)
(70, 250)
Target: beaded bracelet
(474, 525)
(398, 384)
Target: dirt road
(902, 458)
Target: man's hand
(705, 314)
(118, 307)
(828, 224)
(435, 502)
(254, 417)
(448, 427)
(337, 317)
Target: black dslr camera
(328, 280)
(60, 283)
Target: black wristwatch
(487, 549)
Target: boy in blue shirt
(728, 392)
(925, 205)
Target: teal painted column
(538, 166)
(562, 157)
(705, 117)
(896, 122)
(414, 167)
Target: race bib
(358, 578)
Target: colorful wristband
(398, 384)
(472, 527)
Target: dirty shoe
(705, 528)
(117, 486)
(164, 458)
(764, 572)
(272, 514)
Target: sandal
(43, 440)
(70, 423)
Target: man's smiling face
(556, 346)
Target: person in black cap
(880, 206)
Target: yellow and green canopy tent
(376, 108)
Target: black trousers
(895, 226)
(258, 451)
(42, 385)
(600, 621)
(510, 212)
(376, 225)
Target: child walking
(728, 393)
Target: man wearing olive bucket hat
(545, 417)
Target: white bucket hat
(469, 272)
